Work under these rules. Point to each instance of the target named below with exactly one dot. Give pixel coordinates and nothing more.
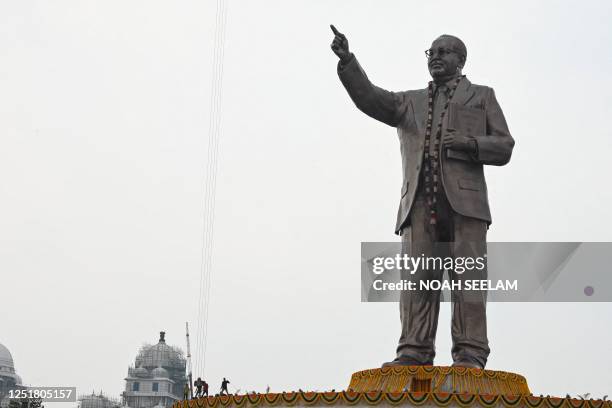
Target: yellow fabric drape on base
(347, 398)
(457, 380)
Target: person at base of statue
(224, 386)
(204, 388)
(444, 208)
(186, 391)
(198, 384)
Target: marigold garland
(439, 379)
(441, 399)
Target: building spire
(162, 336)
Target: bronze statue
(447, 132)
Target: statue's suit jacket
(462, 173)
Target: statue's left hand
(458, 141)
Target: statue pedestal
(419, 386)
(455, 380)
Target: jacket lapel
(420, 107)
(463, 93)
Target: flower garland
(439, 379)
(432, 164)
(391, 398)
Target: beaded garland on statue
(432, 164)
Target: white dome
(159, 372)
(96, 401)
(141, 372)
(161, 355)
(6, 360)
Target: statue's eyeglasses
(441, 51)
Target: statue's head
(446, 57)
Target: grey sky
(104, 115)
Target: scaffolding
(157, 378)
(151, 356)
(100, 400)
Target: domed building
(9, 380)
(157, 378)
(100, 400)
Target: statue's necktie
(433, 135)
(440, 98)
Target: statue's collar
(448, 83)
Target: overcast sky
(104, 121)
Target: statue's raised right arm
(385, 106)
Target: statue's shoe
(468, 363)
(406, 361)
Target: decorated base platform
(455, 380)
(423, 386)
(388, 399)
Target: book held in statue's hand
(466, 120)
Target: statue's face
(445, 60)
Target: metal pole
(190, 375)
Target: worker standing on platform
(224, 386)
(204, 388)
(198, 385)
